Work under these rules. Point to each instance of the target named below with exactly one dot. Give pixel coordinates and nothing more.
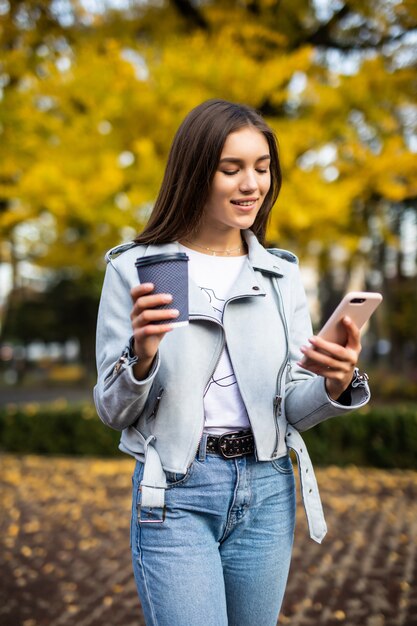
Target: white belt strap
(308, 485)
(153, 483)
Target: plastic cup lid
(160, 258)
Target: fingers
(335, 363)
(325, 365)
(141, 289)
(353, 335)
(328, 355)
(144, 309)
(149, 323)
(336, 350)
(331, 360)
(141, 333)
(151, 318)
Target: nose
(248, 182)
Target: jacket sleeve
(118, 396)
(307, 402)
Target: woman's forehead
(246, 140)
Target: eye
(262, 170)
(230, 172)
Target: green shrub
(56, 429)
(378, 436)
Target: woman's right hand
(148, 335)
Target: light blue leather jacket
(265, 322)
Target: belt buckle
(223, 448)
(151, 515)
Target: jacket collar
(260, 258)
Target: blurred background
(91, 94)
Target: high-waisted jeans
(222, 554)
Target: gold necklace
(228, 251)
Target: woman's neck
(216, 245)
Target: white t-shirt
(223, 405)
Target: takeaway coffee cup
(169, 274)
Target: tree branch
(191, 14)
(323, 36)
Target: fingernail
(303, 349)
(175, 312)
(167, 297)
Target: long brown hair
(192, 163)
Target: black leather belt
(231, 444)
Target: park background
(91, 93)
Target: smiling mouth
(244, 203)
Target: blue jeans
(221, 555)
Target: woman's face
(241, 181)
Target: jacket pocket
(154, 405)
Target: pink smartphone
(359, 306)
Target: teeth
(248, 203)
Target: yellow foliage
(86, 126)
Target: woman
(210, 410)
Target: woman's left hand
(336, 363)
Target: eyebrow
(234, 160)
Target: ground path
(64, 547)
